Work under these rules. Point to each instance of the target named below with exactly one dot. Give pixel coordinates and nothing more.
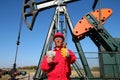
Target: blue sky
(31, 42)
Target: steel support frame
(51, 32)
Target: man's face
(58, 41)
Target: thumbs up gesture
(64, 52)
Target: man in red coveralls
(57, 62)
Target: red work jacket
(59, 69)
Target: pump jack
(103, 40)
(109, 48)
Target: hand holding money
(50, 56)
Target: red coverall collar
(59, 48)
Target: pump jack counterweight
(108, 47)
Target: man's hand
(51, 53)
(64, 52)
(50, 56)
(49, 59)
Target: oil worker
(57, 62)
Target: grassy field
(30, 74)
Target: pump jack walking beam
(31, 9)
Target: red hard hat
(58, 34)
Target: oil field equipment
(90, 25)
